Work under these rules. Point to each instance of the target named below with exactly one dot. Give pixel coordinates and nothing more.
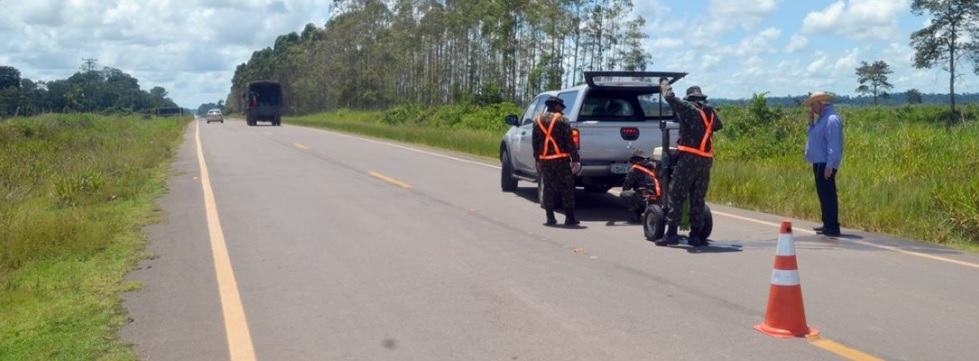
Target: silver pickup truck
(611, 115)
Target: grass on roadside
(472, 141)
(75, 192)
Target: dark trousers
(691, 178)
(828, 203)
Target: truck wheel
(653, 222)
(507, 182)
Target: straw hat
(819, 96)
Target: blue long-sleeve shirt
(825, 144)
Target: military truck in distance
(262, 102)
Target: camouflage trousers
(691, 177)
(632, 200)
(557, 181)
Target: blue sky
(732, 48)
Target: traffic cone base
(774, 332)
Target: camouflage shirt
(639, 179)
(692, 126)
(561, 134)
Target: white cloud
(747, 13)
(796, 42)
(162, 43)
(858, 19)
(846, 65)
(818, 65)
(763, 42)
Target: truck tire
(507, 182)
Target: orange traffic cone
(786, 316)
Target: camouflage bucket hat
(694, 93)
(552, 101)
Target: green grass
(902, 174)
(906, 171)
(75, 192)
(480, 142)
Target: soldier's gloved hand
(575, 167)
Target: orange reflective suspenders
(651, 174)
(708, 135)
(549, 140)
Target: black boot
(695, 239)
(569, 218)
(550, 218)
(670, 238)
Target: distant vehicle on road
(214, 115)
(262, 102)
(612, 114)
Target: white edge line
(747, 219)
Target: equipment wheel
(540, 187)
(708, 222)
(653, 222)
(507, 182)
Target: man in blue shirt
(824, 149)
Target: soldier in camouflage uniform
(557, 160)
(695, 156)
(641, 175)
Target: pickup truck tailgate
(606, 142)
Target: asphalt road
(302, 244)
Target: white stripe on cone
(785, 245)
(785, 278)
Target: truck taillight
(629, 133)
(576, 137)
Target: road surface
(289, 243)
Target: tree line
(373, 54)
(109, 90)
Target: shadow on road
(589, 207)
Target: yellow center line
(236, 327)
(846, 352)
(389, 179)
(300, 146)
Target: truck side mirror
(512, 119)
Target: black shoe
(569, 219)
(698, 242)
(831, 232)
(550, 219)
(668, 241)
(819, 229)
